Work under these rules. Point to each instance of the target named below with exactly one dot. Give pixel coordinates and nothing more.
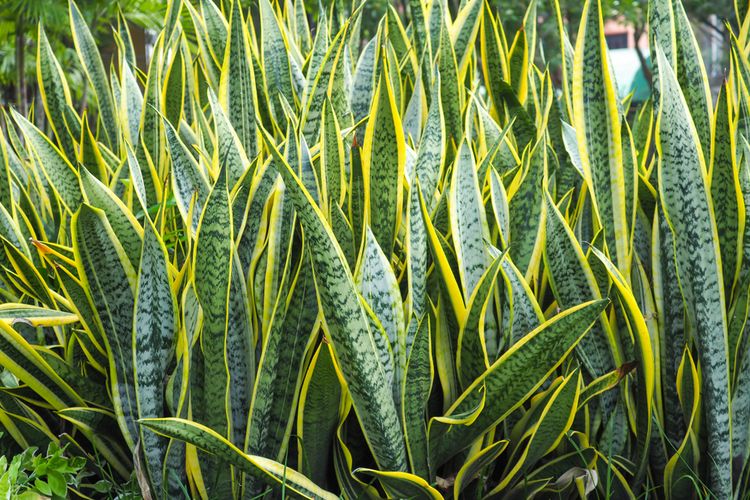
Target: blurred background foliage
(19, 20)
(18, 33)
(709, 19)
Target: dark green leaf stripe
(55, 95)
(318, 416)
(280, 370)
(126, 227)
(342, 230)
(421, 41)
(691, 73)
(307, 171)
(671, 30)
(671, 316)
(436, 17)
(216, 27)
(412, 120)
(240, 358)
(525, 313)
(523, 126)
(518, 65)
(151, 142)
(526, 210)
(725, 190)
(136, 175)
(228, 148)
(213, 258)
(332, 158)
(499, 200)
(213, 269)
(131, 104)
(466, 27)
(364, 82)
(472, 358)
(494, 65)
(262, 184)
(316, 95)
(450, 91)
(430, 154)
(281, 225)
(175, 86)
(379, 288)
(416, 254)
(189, 183)
(382, 347)
(275, 58)
(211, 64)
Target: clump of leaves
(441, 275)
(31, 475)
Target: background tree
(18, 33)
(707, 17)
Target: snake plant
(282, 260)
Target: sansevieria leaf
(213, 271)
(276, 475)
(88, 53)
(687, 205)
(154, 330)
(383, 166)
(55, 166)
(510, 379)
(237, 87)
(596, 112)
(111, 280)
(34, 315)
(352, 340)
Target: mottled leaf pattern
(414, 256)
(687, 205)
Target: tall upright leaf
(595, 108)
(91, 60)
(110, 278)
(237, 87)
(383, 161)
(686, 199)
(154, 330)
(353, 343)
